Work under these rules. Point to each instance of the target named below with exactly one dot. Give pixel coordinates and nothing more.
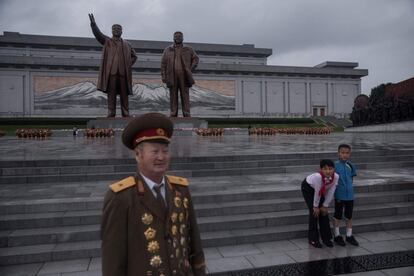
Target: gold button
(174, 271)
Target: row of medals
(153, 246)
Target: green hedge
(259, 121)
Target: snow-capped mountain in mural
(145, 97)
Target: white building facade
(55, 76)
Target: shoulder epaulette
(123, 184)
(177, 180)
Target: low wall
(391, 127)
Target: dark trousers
(117, 85)
(179, 83)
(324, 227)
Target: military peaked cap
(147, 127)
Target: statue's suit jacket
(189, 61)
(109, 53)
(138, 238)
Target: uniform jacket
(109, 51)
(138, 238)
(189, 60)
(346, 171)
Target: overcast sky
(378, 34)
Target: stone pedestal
(120, 123)
(188, 123)
(115, 123)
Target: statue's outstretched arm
(96, 32)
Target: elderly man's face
(116, 30)
(153, 158)
(178, 38)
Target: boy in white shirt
(318, 191)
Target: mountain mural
(85, 99)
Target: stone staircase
(239, 199)
(73, 170)
(335, 122)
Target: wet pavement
(380, 253)
(293, 255)
(68, 147)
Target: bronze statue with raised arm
(177, 65)
(115, 72)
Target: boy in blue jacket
(344, 195)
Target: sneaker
(328, 243)
(352, 240)
(339, 240)
(316, 244)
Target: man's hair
(326, 162)
(116, 25)
(178, 32)
(346, 146)
(140, 146)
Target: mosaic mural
(79, 97)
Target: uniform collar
(151, 183)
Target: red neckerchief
(325, 181)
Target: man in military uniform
(149, 225)
(177, 64)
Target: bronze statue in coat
(115, 72)
(177, 65)
(149, 225)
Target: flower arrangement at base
(99, 132)
(33, 133)
(210, 131)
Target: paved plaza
(234, 257)
(68, 147)
(248, 256)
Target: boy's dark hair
(326, 162)
(344, 146)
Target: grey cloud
(378, 34)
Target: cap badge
(160, 132)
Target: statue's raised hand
(91, 18)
